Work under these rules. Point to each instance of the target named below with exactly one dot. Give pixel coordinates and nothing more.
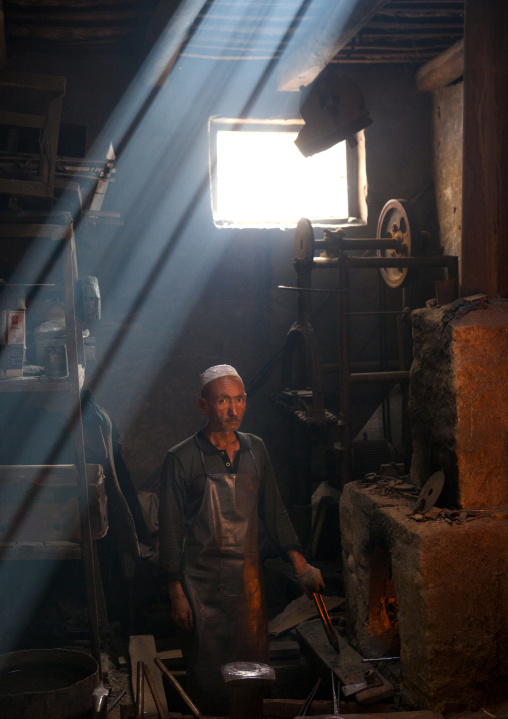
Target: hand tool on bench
(173, 681)
(140, 691)
(158, 704)
(136, 710)
(327, 624)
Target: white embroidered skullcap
(218, 370)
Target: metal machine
(397, 246)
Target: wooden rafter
(307, 61)
(377, 31)
(443, 69)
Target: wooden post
(484, 257)
(2, 36)
(336, 24)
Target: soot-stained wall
(217, 298)
(447, 142)
(178, 293)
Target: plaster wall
(234, 312)
(447, 124)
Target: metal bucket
(47, 684)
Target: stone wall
(451, 583)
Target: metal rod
(303, 281)
(174, 683)
(307, 703)
(370, 243)
(115, 700)
(444, 261)
(140, 696)
(382, 659)
(327, 624)
(76, 429)
(363, 243)
(160, 709)
(307, 289)
(344, 368)
(334, 693)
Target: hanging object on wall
(333, 109)
(88, 300)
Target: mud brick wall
(451, 584)
(459, 404)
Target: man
(215, 485)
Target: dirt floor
(120, 680)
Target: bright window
(260, 179)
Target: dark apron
(221, 574)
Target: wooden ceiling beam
(170, 28)
(332, 34)
(443, 69)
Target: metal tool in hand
(327, 624)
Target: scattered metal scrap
(347, 666)
(429, 493)
(460, 307)
(391, 486)
(424, 509)
(451, 516)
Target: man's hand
(310, 580)
(181, 612)
(308, 577)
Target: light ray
(153, 268)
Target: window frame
(355, 169)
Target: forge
(432, 591)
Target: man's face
(224, 404)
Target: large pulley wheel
(304, 240)
(398, 221)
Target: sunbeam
(154, 266)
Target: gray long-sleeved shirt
(183, 483)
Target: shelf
(14, 551)
(42, 511)
(35, 384)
